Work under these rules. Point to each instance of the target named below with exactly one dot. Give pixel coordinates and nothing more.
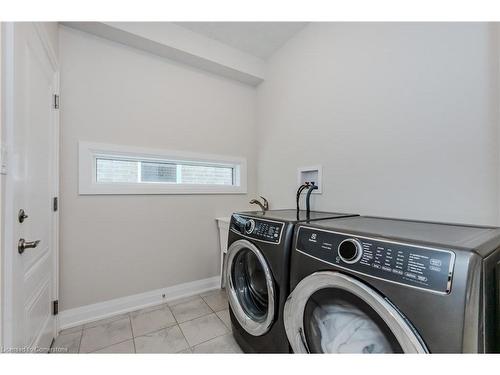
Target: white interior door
(31, 275)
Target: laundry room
(241, 186)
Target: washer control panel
(402, 263)
(259, 229)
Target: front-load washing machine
(378, 285)
(256, 273)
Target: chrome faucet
(264, 207)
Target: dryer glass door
(250, 287)
(337, 321)
(329, 312)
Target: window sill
(132, 189)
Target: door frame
(8, 214)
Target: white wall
(114, 246)
(52, 30)
(401, 116)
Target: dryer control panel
(258, 229)
(409, 264)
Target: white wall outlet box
(311, 174)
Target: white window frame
(87, 184)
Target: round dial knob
(350, 250)
(249, 226)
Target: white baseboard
(89, 313)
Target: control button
(388, 269)
(437, 269)
(422, 278)
(375, 265)
(350, 250)
(435, 262)
(249, 226)
(276, 235)
(398, 272)
(410, 275)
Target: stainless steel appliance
(378, 285)
(256, 273)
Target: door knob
(23, 245)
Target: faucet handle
(257, 202)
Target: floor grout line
(155, 330)
(213, 312)
(225, 326)
(69, 333)
(112, 319)
(80, 343)
(107, 346)
(116, 343)
(132, 329)
(213, 338)
(198, 317)
(185, 338)
(182, 332)
(177, 323)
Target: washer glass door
(329, 312)
(250, 287)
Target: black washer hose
(299, 191)
(308, 197)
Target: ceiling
(260, 39)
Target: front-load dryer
(256, 273)
(378, 285)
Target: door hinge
(55, 204)
(55, 307)
(56, 101)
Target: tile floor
(198, 324)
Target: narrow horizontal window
(126, 170)
(109, 170)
